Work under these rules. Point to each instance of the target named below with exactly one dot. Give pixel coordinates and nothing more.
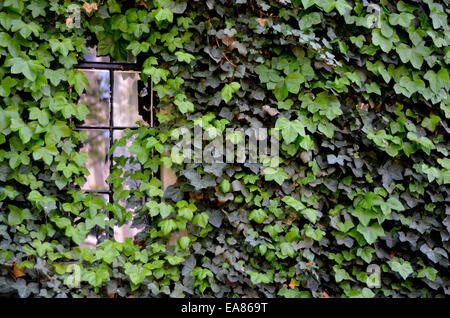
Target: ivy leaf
(174, 260)
(24, 288)
(315, 234)
(37, 8)
(201, 219)
(281, 91)
(141, 153)
(329, 105)
(105, 45)
(164, 209)
(113, 6)
(167, 226)
(437, 80)
(431, 122)
(278, 175)
(287, 249)
(183, 242)
(293, 293)
(310, 214)
(258, 216)
(25, 133)
(378, 39)
(412, 54)
(293, 82)
(258, 278)
(439, 19)
(164, 14)
(365, 253)
(138, 47)
(346, 226)
(340, 274)
(297, 205)
(55, 77)
(290, 130)
(371, 233)
(6, 84)
(15, 6)
(308, 3)
(26, 67)
(184, 57)
(401, 266)
(119, 22)
(228, 90)
(63, 46)
(78, 80)
(403, 19)
(309, 20)
(427, 272)
(57, 131)
(97, 277)
(14, 216)
(395, 204)
(183, 104)
(373, 88)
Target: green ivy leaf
(386, 44)
(201, 219)
(278, 175)
(371, 233)
(401, 266)
(403, 19)
(297, 205)
(184, 57)
(183, 104)
(309, 20)
(258, 216)
(228, 90)
(29, 68)
(290, 130)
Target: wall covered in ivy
(358, 91)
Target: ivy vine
(358, 91)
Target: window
(117, 99)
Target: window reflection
(96, 98)
(96, 146)
(91, 56)
(126, 112)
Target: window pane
(96, 146)
(126, 112)
(96, 98)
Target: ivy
(361, 103)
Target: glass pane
(126, 112)
(91, 56)
(96, 146)
(96, 98)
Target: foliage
(360, 97)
